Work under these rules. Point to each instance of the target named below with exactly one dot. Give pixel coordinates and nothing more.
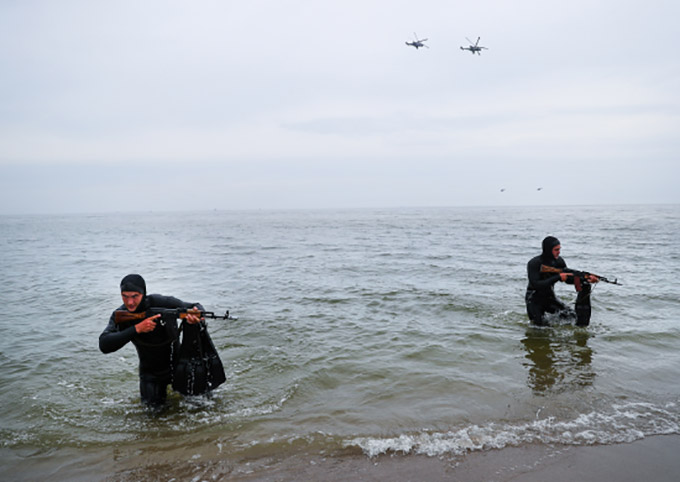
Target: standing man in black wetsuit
(156, 342)
(540, 296)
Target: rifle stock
(580, 274)
(123, 316)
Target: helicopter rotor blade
(468, 40)
(477, 41)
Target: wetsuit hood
(134, 282)
(548, 244)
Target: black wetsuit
(156, 349)
(540, 295)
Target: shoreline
(653, 458)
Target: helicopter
(417, 43)
(474, 48)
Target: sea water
(371, 331)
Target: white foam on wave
(624, 423)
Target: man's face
(556, 251)
(131, 299)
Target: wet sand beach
(650, 459)
(654, 459)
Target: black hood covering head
(133, 282)
(548, 244)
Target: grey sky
(157, 105)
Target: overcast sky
(183, 105)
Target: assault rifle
(123, 316)
(577, 274)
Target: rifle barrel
(122, 316)
(551, 269)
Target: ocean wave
(622, 423)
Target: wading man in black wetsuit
(540, 296)
(156, 342)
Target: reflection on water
(558, 359)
